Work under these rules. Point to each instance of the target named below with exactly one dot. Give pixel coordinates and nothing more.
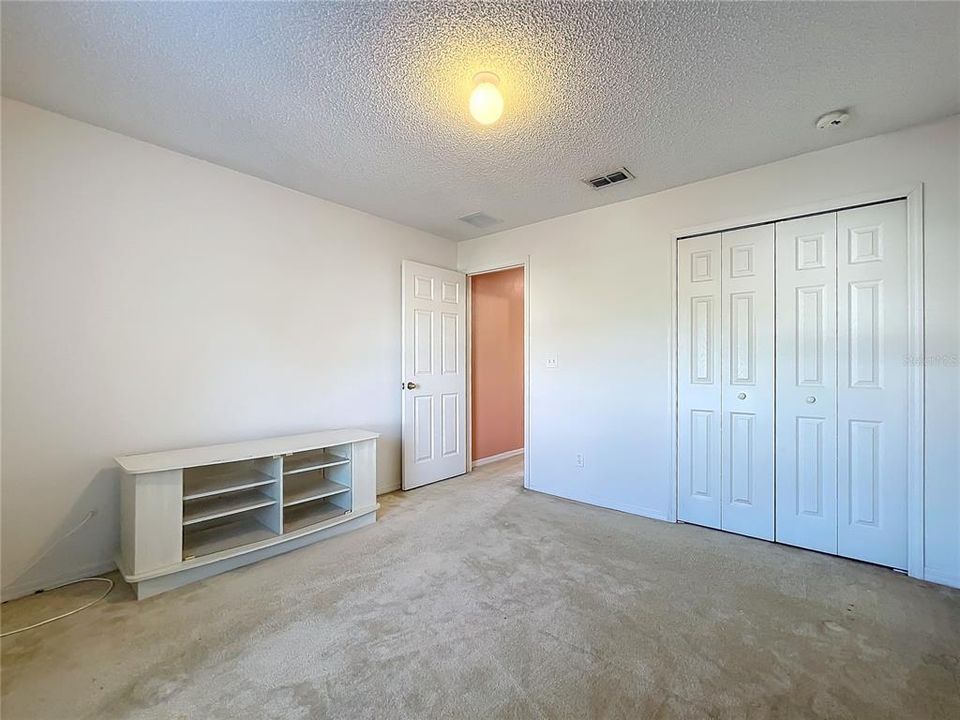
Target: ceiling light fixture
(486, 102)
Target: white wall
(151, 300)
(600, 298)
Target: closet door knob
(811, 399)
(411, 386)
(741, 396)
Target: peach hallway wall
(497, 362)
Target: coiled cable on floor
(66, 614)
(40, 557)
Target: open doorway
(497, 370)
(438, 417)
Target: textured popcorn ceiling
(365, 104)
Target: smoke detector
(612, 178)
(835, 119)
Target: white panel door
(434, 374)
(872, 387)
(806, 382)
(699, 380)
(747, 329)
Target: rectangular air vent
(613, 178)
(480, 220)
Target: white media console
(189, 514)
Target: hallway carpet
(473, 598)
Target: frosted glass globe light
(486, 102)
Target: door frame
(913, 194)
(483, 269)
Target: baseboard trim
(388, 488)
(941, 578)
(22, 589)
(607, 505)
(495, 458)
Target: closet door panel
(872, 393)
(698, 380)
(747, 363)
(806, 382)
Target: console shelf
(308, 514)
(210, 539)
(232, 480)
(218, 506)
(189, 514)
(312, 461)
(305, 488)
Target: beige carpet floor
(475, 599)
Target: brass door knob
(412, 386)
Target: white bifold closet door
(872, 366)
(747, 366)
(698, 380)
(842, 383)
(725, 374)
(806, 381)
(792, 380)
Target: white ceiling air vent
(480, 220)
(617, 176)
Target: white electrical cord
(66, 614)
(57, 587)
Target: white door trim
(916, 383)
(915, 335)
(482, 269)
